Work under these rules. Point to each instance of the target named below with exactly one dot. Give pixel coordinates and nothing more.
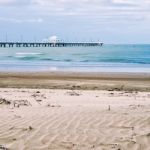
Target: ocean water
(108, 58)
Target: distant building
(52, 39)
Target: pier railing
(18, 44)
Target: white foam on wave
(20, 56)
(20, 53)
(53, 68)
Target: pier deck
(19, 44)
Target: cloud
(71, 17)
(90, 7)
(14, 2)
(14, 20)
(6, 2)
(102, 10)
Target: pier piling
(20, 44)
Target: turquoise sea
(108, 58)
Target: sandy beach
(46, 119)
(51, 111)
(74, 74)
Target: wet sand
(79, 81)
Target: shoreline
(76, 80)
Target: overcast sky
(109, 21)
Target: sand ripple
(75, 122)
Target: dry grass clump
(4, 101)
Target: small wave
(58, 60)
(47, 59)
(26, 57)
(20, 56)
(20, 53)
(67, 60)
(85, 61)
(10, 56)
(129, 61)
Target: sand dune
(74, 120)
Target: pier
(19, 44)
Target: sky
(108, 21)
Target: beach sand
(76, 80)
(81, 117)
